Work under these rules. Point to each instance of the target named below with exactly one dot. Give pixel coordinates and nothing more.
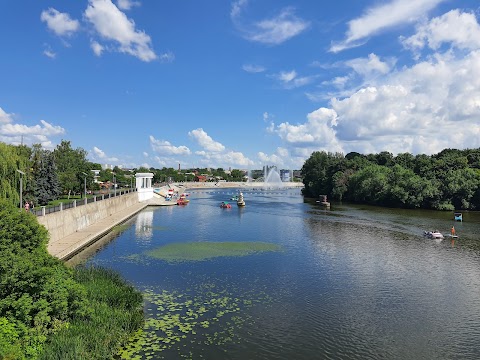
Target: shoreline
(244, 185)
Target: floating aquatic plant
(176, 323)
(199, 251)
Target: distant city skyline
(239, 84)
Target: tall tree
(71, 163)
(45, 173)
(11, 159)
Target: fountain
(272, 180)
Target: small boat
(458, 216)
(234, 198)
(225, 205)
(182, 201)
(433, 234)
(240, 201)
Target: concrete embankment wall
(63, 223)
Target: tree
(47, 186)
(406, 160)
(408, 190)
(37, 291)
(70, 165)
(461, 187)
(314, 173)
(11, 159)
(237, 175)
(340, 183)
(384, 158)
(370, 185)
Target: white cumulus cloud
(460, 30)
(16, 134)
(205, 141)
(164, 147)
(4, 117)
(113, 25)
(97, 48)
(60, 23)
(370, 65)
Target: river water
(351, 282)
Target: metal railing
(45, 210)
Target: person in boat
(453, 230)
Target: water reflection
(144, 226)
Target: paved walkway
(72, 244)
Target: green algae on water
(199, 251)
(177, 323)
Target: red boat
(182, 201)
(225, 205)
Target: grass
(116, 313)
(199, 251)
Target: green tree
(237, 175)
(370, 185)
(405, 160)
(408, 190)
(11, 159)
(47, 187)
(71, 163)
(315, 174)
(461, 187)
(37, 292)
(340, 183)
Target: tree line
(49, 174)
(448, 180)
(65, 171)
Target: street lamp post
(84, 185)
(114, 184)
(21, 187)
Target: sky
(239, 84)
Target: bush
(116, 313)
(38, 294)
(49, 311)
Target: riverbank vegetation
(448, 180)
(49, 311)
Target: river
(351, 282)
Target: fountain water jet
(272, 180)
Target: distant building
(200, 178)
(96, 175)
(285, 175)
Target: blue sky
(242, 83)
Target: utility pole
(21, 186)
(84, 185)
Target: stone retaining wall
(66, 222)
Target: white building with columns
(144, 186)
